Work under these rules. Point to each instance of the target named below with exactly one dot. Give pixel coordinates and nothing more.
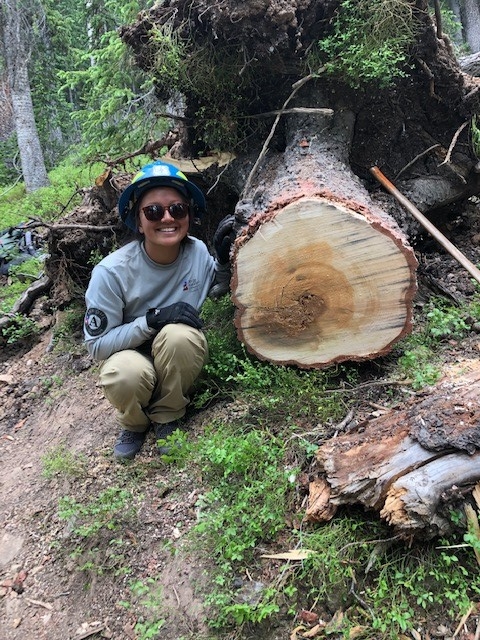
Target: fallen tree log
(321, 274)
(409, 465)
(26, 300)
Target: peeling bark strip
(409, 465)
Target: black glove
(177, 313)
(221, 284)
(223, 238)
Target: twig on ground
(463, 621)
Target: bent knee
(179, 339)
(127, 371)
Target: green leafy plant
(106, 511)
(179, 448)
(370, 42)
(420, 366)
(420, 359)
(445, 322)
(475, 135)
(395, 587)
(244, 471)
(68, 327)
(20, 329)
(146, 601)
(95, 544)
(61, 461)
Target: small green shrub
(146, 602)
(69, 326)
(104, 512)
(61, 461)
(20, 329)
(445, 322)
(370, 42)
(420, 361)
(421, 366)
(95, 542)
(245, 474)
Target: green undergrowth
(419, 356)
(356, 573)
(51, 202)
(369, 42)
(287, 392)
(250, 462)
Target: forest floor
(50, 400)
(43, 594)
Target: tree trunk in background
(471, 24)
(16, 56)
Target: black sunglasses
(155, 212)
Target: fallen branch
(306, 110)
(91, 632)
(35, 223)
(438, 235)
(28, 297)
(147, 149)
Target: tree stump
(321, 274)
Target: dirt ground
(42, 592)
(49, 399)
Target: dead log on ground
(26, 300)
(410, 465)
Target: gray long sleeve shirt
(127, 283)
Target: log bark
(321, 274)
(471, 64)
(409, 465)
(26, 300)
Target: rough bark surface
(16, 55)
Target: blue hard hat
(158, 174)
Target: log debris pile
(412, 465)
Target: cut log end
(318, 283)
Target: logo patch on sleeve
(95, 322)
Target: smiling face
(162, 237)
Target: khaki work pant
(154, 389)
